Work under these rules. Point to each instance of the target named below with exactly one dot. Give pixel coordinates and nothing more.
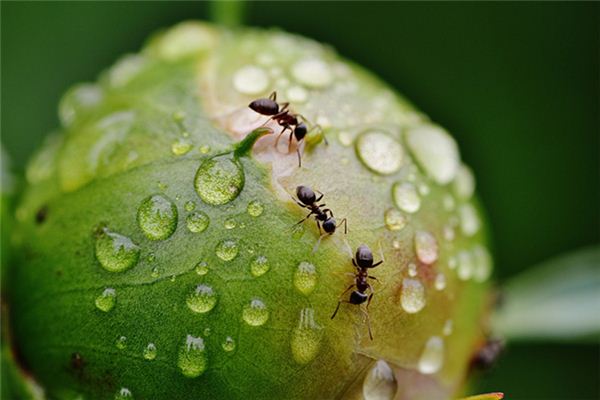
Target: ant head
(305, 194)
(364, 256)
(265, 106)
(300, 131)
(329, 225)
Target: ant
(487, 355)
(287, 120)
(363, 260)
(323, 216)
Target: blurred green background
(516, 83)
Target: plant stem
(227, 12)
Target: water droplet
(228, 344)
(380, 152)
(448, 233)
(448, 327)
(115, 252)
(150, 351)
(406, 197)
(250, 79)
(227, 249)
(206, 331)
(440, 281)
(435, 150)
(123, 394)
(306, 338)
(255, 208)
(432, 357)
(179, 116)
(483, 263)
(202, 299)
(107, 300)
(229, 223)
(380, 383)
(180, 147)
(155, 273)
(426, 247)
(396, 244)
(219, 180)
(297, 94)
(204, 149)
(192, 359)
(448, 202)
(151, 257)
(126, 69)
(157, 217)
(189, 206)
(255, 313)
(259, 266)
(469, 221)
(394, 219)
(312, 72)
(202, 268)
(197, 222)
(465, 265)
(305, 277)
(464, 183)
(78, 100)
(345, 138)
(452, 263)
(412, 270)
(121, 342)
(412, 298)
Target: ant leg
(320, 197)
(273, 96)
(345, 222)
(316, 246)
(368, 323)
(318, 225)
(370, 296)
(374, 278)
(299, 157)
(304, 219)
(277, 140)
(342, 301)
(376, 264)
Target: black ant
(323, 216)
(363, 261)
(287, 120)
(487, 355)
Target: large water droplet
(123, 394)
(394, 219)
(406, 197)
(202, 268)
(297, 94)
(228, 344)
(312, 72)
(259, 266)
(464, 183)
(483, 263)
(192, 359)
(250, 80)
(157, 217)
(380, 383)
(78, 100)
(219, 180)
(435, 150)
(255, 208)
(202, 299)
(432, 357)
(412, 298)
(380, 152)
(121, 342)
(227, 249)
(440, 281)
(107, 300)
(306, 338)
(197, 222)
(255, 313)
(469, 221)
(150, 351)
(305, 277)
(465, 265)
(426, 247)
(114, 251)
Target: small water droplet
(157, 217)
(426, 247)
(394, 219)
(306, 337)
(412, 270)
(107, 300)
(230, 223)
(396, 244)
(412, 298)
(432, 357)
(192, 360)
(204, 149)
(312, 72)
(448, 202)
(197, 222)
(448, 328)
(440, 281)
(345, 138)
(448, 233)
(78, 101)
(452, 262)
(227, 249)
(202, 268)
(115, 252)
(228, 344)
(150, 351)
(297, 94)
(151, 257)
(464, 183)
(189, 206)
(435, 150)
(255, 208)
(219, 180)
(123, 394)
(162, 186)
(202, 299)
(259, 266)
(121, 342)
(380, 152)
(180, 147)
(483, 263)
(380, 383)
(465, 265)
(469, 221)
(305, 277)
(155, 273)
(406, 197)
(251, 79)
(179, 116)
(255, 313)
(206, 332)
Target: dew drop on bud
(202, 299)
(157, 217)
(115, 252)
(219, 180)
(192, 360)
(107, 300)
(432, 357)
(255, 313)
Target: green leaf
(557, 300)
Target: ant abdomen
(306, 195)
(358, 297)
